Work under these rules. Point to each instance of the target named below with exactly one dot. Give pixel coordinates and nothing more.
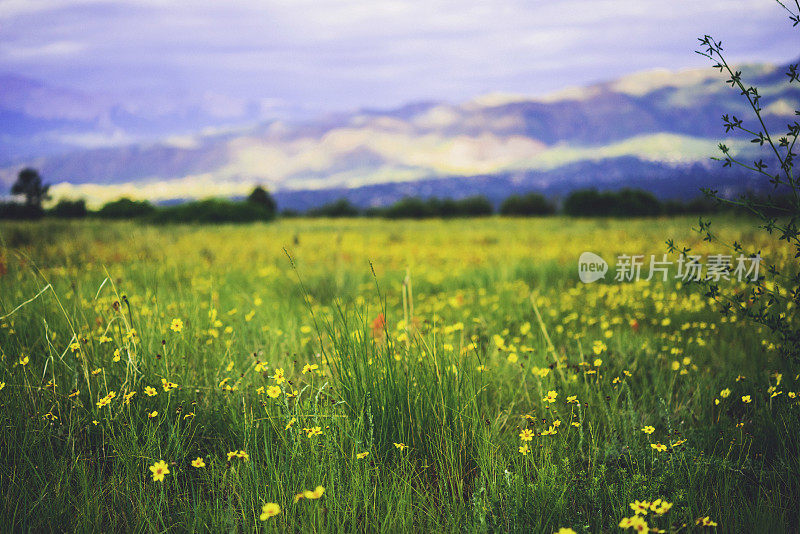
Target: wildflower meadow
(386, 376)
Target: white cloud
(344, 53)
(14, 8)
(47, 50)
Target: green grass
(459, 363)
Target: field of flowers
(364, 375)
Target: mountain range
(655, 130)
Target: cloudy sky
(332, 55)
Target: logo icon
(591, 267)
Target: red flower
(378, 325)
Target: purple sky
(330, 55)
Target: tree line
(261, 206)
(258, 206)
(581, 203)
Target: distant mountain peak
(658, 117)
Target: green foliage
(421, 367)
(409, 208)
(418, 208)
(698, 206)
(126, 208)
(259, 206)
(531, 204)
(474, 206)
(14, 210)
(261, 197)
(623, 203)
(337, 208)
(213, 211)
(773, 299)
(29, 184)
(69, 209)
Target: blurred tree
(69, 209)
(125, 208)
(622, 203)
(475, 206)
(29, 184)
(261, 197)
(338, 208)
(526, 205)
(409, 208)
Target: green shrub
(417, 208)
(527, 205)
(338, 208)
(262, 198)
(126, 208)
(624, 203)
(13, 210)
(69, 209)
(213, 211)
(409, 208)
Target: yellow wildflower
(278, 377)
(160, 470)
(105, 401)
(705, 522)
(313, 431)
(316, 494)
(660, 506)
(270, 509)
(640, 507)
